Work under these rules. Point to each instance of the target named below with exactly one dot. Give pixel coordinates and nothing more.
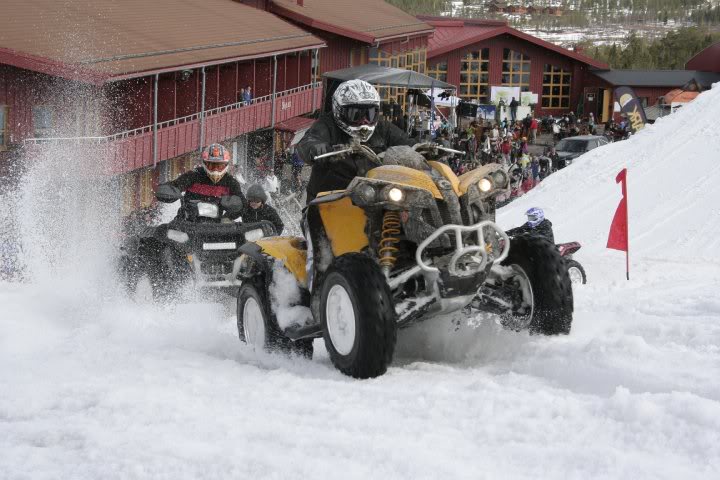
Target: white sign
(506, 94)
(528, 98)
(285, 105)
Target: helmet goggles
(359, 115)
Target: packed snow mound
(673, 195)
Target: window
(516, 70)
(43, 120)
(411, 60)
(474, 76)
(438, 71)
(4, 134)
(556, 87)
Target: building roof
(294, 124)
(707, 60)
(456, 33)
(656, 78)
(678, 95)
(368, 21)
(102, 40)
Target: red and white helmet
(216, 160)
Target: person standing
(242, 96)
(248, 95)
(513, 109)
(505, 149)
(533, 130)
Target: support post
(202, 112)
(272, 115)
(155, 121)
(313, 74)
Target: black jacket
(265, 212)
(198, 186)
(543, 229)
(337, 173)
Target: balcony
(133, 149)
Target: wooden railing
(133, 149)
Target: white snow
(94, 386)
(286, 297)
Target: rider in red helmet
(209, 182)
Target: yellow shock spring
(390, 231)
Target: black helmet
(255, 193)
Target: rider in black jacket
(208, 183)
(257, 209)
(355, 112)
(537, 225)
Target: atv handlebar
(355, 147)
(435, 146)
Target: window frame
(377, 56)
(558, 78)
(475, 64)
(509, 70)
(47, 131)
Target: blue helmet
(535, 216)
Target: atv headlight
(367, 192)
(177, 236)
(485, 185)
(500, 179)
(254, 235)
(209, 210)
(395, 194)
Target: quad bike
(199, 246)
(405, 242)
(575, 270)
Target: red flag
(618, 237)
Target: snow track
(93, 386)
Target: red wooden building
(145, 82)
(360, 32)
(648, 85)
(707, 60)
(478, 54)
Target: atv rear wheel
(357, 316)
(258, 328)
(539, 262)
(576, 273)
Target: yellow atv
(407, 241)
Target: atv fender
(290, 251)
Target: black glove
(319, 149)
(168, 193)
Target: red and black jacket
(198, 186)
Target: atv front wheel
(576, 273)
(258, 328)
(357, 316)
(142, 281)
(542, 272)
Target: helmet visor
(216, 166)
(358, 115)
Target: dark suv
(572, 147)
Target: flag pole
(627, 229)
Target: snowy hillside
(94, 386)
(674, 199)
